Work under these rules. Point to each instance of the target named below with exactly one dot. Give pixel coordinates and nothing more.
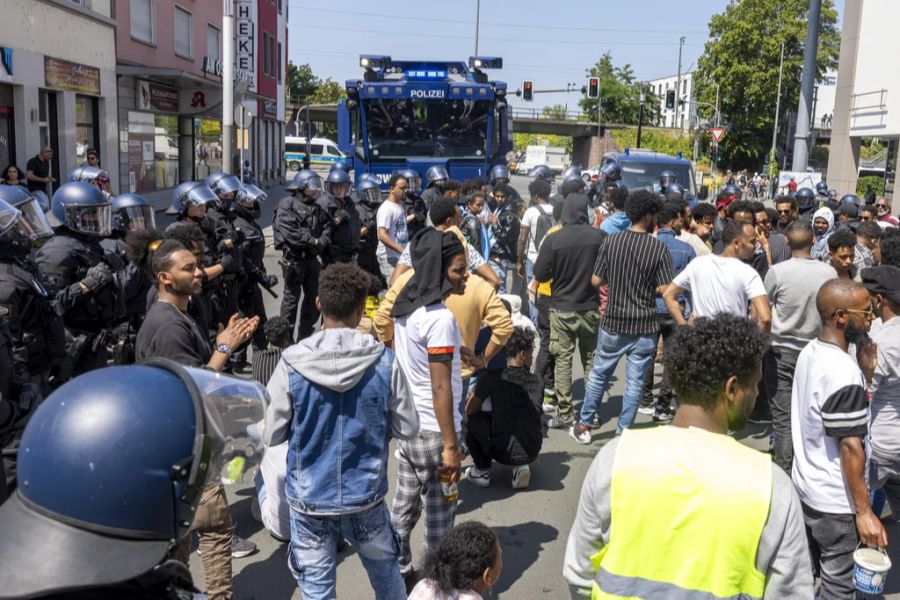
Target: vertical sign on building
(245, 42)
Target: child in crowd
(504, 415)
(278, 334)
(466, 563)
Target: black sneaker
(561, 422)
(662, 413)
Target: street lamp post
(477, 23)
(227, 85)
(640, 117)
(807, 84)
(772, 160)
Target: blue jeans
(639, 351)
(500, 267)
(312, 558)
(529, 275)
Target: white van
(322, 151)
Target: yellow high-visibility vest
(687, 511)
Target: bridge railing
(556, 115)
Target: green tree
(742, 55)
(620, 96)
(328, 91)
(301, 82)
(555, 111)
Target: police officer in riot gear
(665, 178)
(414, 203)
(302, 231)
(345, 221)
(228, 239)
(105, 504)
(369, 194)
(81, 276)
(130, 212)
(32, 337)
(435, 177)
(806, 203)
(499, 174)
(247, 211)
(541, 172)
(92, 175)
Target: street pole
(772, 160)
(807, 82)
(678, 82)
(477, 23)
(640, 117)
(227, 85)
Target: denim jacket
(682, 253)
(337, 397)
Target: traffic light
(670, 99)
(593, 89)
(527, 90)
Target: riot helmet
(728, 194)
(34, 223)
(611, 171)
(435, 175)
(223, 184)
(340, 164)
(822, 188)
(83, 208)
(370, 177)
(499, 174)
(413, 179)
(307, 182)
(541, 172)
(249, 198)
(191, 193)
(666, 177)
(806, 199)
(851, 198)
(571, 171)
(88, 174)
(368, 192)
(337, 183)
(100, 493)
(674, 188)
(131, 212)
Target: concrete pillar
(843, 157)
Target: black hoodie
(567, 257)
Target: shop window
(279, 62)
(152, 151)
(87, 134)
(183, 33)
(213, 43)
(143, 19)
(207, 147)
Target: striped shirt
(633, 265)
(263, 363)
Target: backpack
(544, 223)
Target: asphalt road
(533, 524)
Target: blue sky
(550, 43)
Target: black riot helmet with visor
(83, 208)
(249, 198)
(132, 212)
(98, 488)
(33, 223)
(414, 180)
(369, 192)
(191, 193)
(337, 183)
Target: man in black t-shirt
(38, 171)
(636, 266)
(168, 331)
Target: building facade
(58, 90)
(667, 115)
(867, 94)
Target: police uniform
(64, 261)
(302, 232)
(223, 229)
(253, 250)
(368, 243)
(345, 229)
(135, 283)
(413, 204)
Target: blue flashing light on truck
(417, 114)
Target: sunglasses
(881, 206)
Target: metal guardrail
(869, 97)
(539, 114)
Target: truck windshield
(636, 174)
(402, 127)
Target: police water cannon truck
(417, 114)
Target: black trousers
(666, 329)
(368, 261)
(545, 363)
(301, 275)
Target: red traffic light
(593, 90)
(527, 90)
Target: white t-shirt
(828, 402)
(530, 220)
(391, 216)
(720, 284)
(427, 334)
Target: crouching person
(337, 397)
(504, 415)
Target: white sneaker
(521, 477)
(645, 410)
(478, 477)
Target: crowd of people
(448, 318)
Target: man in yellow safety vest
(684, 510)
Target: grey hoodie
(336, 359)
